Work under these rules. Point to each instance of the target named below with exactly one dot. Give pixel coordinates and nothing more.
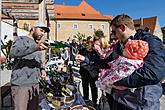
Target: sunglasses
(112, 35)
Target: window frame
(73, 26)
(91, 27)
(59, 25)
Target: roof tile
(147, 22)
(82, 11)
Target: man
(66, 55)
(145, 80)
(27, 67)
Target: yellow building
(69, 20)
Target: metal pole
(48, 34)
(15, 26)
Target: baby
(133, 53)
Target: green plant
(56, 51)
(8, 47)
(79, 37)
(99, 33)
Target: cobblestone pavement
(5, 77)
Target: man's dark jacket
(146, 79)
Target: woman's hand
(79, 58)
(43, 74)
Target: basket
(82, 107)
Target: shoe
(86, 99)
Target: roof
(82, 11)
(146, 23)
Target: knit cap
(135, 49)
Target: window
(82, 14)
(75, 26)
(58, 25)
(90, 26)
(58, 13)
(102, 26)
(26, 26)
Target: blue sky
(134, 8)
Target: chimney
(141, 23)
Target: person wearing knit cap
(133, 53)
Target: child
(133, 53)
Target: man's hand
(43, 74)
(79, 58)
(42, 46)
